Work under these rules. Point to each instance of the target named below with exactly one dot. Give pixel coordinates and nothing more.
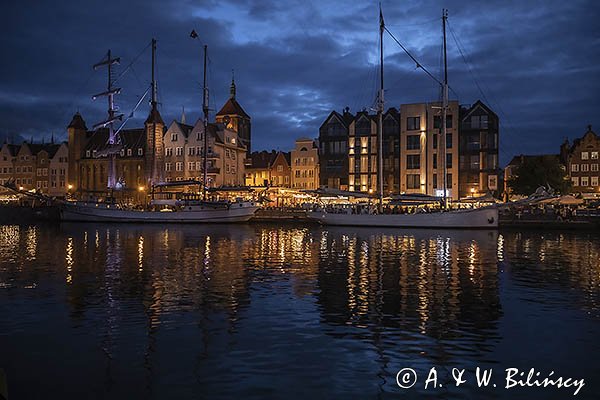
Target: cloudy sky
(536, 63)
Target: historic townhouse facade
(581, 159)
(305, 165)
(39, 167)
(156, 154)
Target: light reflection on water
(259, 311)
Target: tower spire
(232, 87)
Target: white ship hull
(83, 212)
(479, 218)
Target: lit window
(574, 167)
(575, 181)
(129, 152)
(594, 155)
(594, 181)
(140, 152)
(585, 167)
(594, 167)
(585, 155)
(584, 181)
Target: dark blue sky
(537, 62)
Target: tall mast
(154, 175)
(205, 110)
(445, 109)
(112, 117)
(380, 111)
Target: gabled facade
(333, 150)
(362, 153)
(280, 170)
(478, 151)
(305, 165)
(582, 161)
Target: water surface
(261, 311)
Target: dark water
(266, 312)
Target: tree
(537, 171)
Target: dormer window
(122, 152)
(140, 151)
(129, 152)
(173, 137)
(87, 153)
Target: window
(449, 181)
(448, 140)
(479, 121)
(140, 151)
(122, 153)
(232, 154)
(437, 121)
(594, 181)
(435, 181)
(191, 166)
(413, 142)
(179, 151)
(435, 161)
(594, 167)
(179, 166)
(474, 162)
(585, 167)
(449, 160)
(280, 168)
(584, 181)
(226, 153)
(575, 181)
(168, 151)
(574, 167)
(198, 166)
(585, 155)
(413, 161)
(87, 153)
(129, 152)
(413, 123)
(173, 137)
(413, 181)
(191, 151)
(594, 155)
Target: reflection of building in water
(424, 282)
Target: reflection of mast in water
(111, 279)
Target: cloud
(537, 63)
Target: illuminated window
(575, 181)
(585, 155)
(574, 167)
(584, 181)
(594, 155)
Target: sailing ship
(189, 209)
(484, 217)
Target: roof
(77, 122)
(13, 149)
(262, 159)
(518, 160)
(130, 139)
(154, 117)
(232, 107)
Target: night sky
(536, 62)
